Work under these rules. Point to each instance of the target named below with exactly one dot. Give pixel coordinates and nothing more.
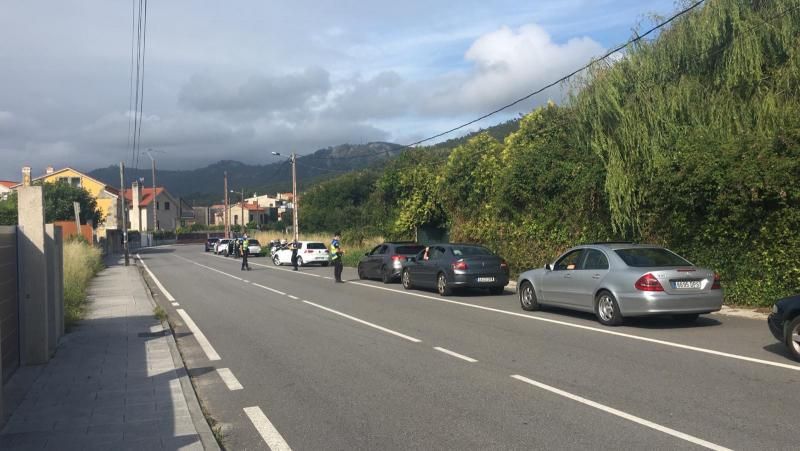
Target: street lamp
(295, 203)
(242, 208)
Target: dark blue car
(445, 267)
(784, 323)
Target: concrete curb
(199, 420)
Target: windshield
(315, 246)
(466, 251)
(253, 242)
(649, 257)
(409, 250)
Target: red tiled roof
(147, 196)
(250, 207)
(8, 183)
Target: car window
(382, 249)
(408, 250)
(316, 246)
(466, 251)
(375, 250)
(253, 242)
(436, 253)
(595, 260)
(649, 257)
(569, 261)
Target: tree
(58, 199)
(8, 210)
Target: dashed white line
(230, 380)
(211, 353)
(245, 281)
(270, 289)
(266, 429)
(621, 414)
(366, 323)
(293, 297)
(455, 354)
(208, 267)
(175, 304)
(155, 279)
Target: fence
(9, 304)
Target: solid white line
(621, 414)
(455, 354)
(208, 267)
(199, 336)
(266, 429)
(594, 329)
(293, 297)
(388, 331)
(230, 380)
(270, 289)
(155, 279)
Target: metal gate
(9, 303)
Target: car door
(430, 268)
(376, 260)
(587, 279)
(367, 261)
(557, 284)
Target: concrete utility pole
(225, 215)
(296, 212)
(244, 223)
(155, 202)
(124, 225)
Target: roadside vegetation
(81, 263)
(691, 140)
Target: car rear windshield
(409, 250)
(649, 257)
(253, 243)
(315, 246)
(466, 251)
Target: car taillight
(717, 285)
(460, 265)
(398, 258)
(503, 264)
(648, 282)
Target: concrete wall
(9, 303)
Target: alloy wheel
(605, 308)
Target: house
(145, 204)
(106, 196)
(250, 211)
(5, 188)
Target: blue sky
(236, 80)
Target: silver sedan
(618, 280)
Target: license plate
(485, 279)
(683, 284)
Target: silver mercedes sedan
(618, 280)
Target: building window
(75, 181)
(235, 219)
(166, 205)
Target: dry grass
(354, 249)
(81, 263)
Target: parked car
(211, 243)
(385, 261)
(619, 280)
(254, 247)
(784, 323)
(310, 252)
(222, 247)
(445, 267)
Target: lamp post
(155, 202)
(295, 203)
(242, 208)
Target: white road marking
(266, 429)
(230, 380)
(455, 354)
(293, 297)
(621, 414)
(175, 304)
(270, 289)
(155, 279)
(593, 329)
(199, 336)
(383, 329)
(246, 281)
(208, 267)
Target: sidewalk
(116, 381)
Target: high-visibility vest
(334, 250)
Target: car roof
(618, 245)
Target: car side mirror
(548, 267)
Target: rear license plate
(687, 284)
(485, 279)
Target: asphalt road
(363, 365)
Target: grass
(81, 263)
(354, 248)
(160, 313)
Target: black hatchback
(784, 323)
(385, 261)
(210, 243)
(448, 266)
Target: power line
(135, 161)
(130, 89)
(141, 105)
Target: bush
(81, 263)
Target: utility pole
(124, 225)
(225, 216)
(243, 221)
(296, 211)
(155, 202)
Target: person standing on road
(295, 248)
(336, 255)
(245, 252)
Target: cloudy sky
(238, 79)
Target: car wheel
(276, 260)
(607, 309)
(406, 278)
(361, 274)
(793, 337)
(299, 261)
(385, 277)
(496, 290)
(442, 286)
(527, 297)
(686, 317)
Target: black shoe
(295, 269)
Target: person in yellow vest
(336, 256)
(245, 252)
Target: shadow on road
(642, 322)
(779, 349)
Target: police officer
(245, 252)
(336, 255)
(295, 246)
